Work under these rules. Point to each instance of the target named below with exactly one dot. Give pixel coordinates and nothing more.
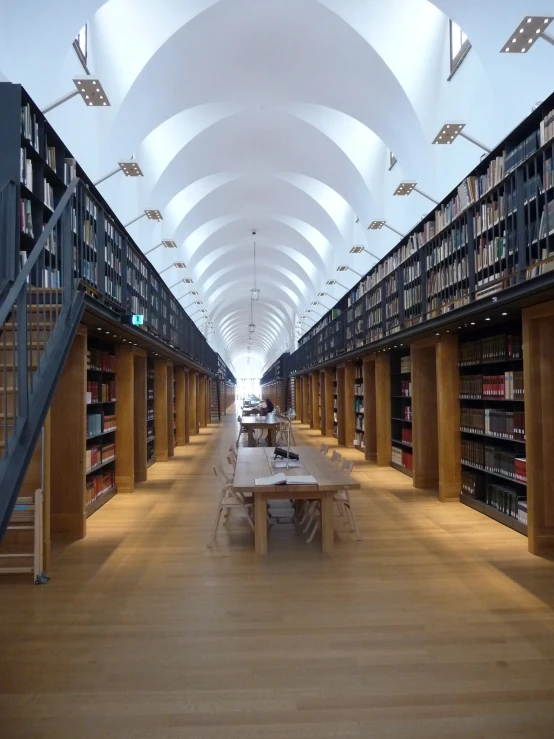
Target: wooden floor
(438, 625)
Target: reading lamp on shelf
(528, 32)
(378, 225)
(450, 132)
(190, 292)
(128, 167)
(179, 282)
(311, 310)
(344, 268)
(406, 188)
(200, 310)
(168, 245)
(360, 249)
(317, 302)
(336, 282)
(150, 213)
(90, 90)
(323, 295)
(194, 302)
(177, 265)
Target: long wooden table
(254, 463)
(269, 422)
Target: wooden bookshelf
(315, 421)
(401, 411)
(492, 423)
(335, 404)
(359, 408)
(150, 414)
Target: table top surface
(254, 462)
(260, 421)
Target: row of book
(504, 424)
(492, 349)
(493, 459)
(508, 501)
(540, 266)
(507, 386)
(407, 435)
(99, 359)
(406, 364)
(26, 217)
(407, 413)
(473, 485)
(447, 276)
(546, 128)
(358, 405)
(402, 457)
(29, 126)
(359, 440)
(100, 392)
(448, 246)
(99, 454)
(490, 252)
(99, 484)
(522, 151)
(412, 272)
(25, 170)
(412, 297)
(100, 423)
(406, 388)
(489, 215)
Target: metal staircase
(40, 309)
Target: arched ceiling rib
(274, 115)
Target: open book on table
(281, 479)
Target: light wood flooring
(438, 625)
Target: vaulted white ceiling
(274, 115)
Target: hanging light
(254, 293)
(251, 327)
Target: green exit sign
(137, 320)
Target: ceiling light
(99, 328)
(531, 28)
(473, 323)
(91, 91)
(153, 215)
(405, 188)
(251, 327)
(255, 293)
(487, 319)
(448, 133)
(504, 314)
(130, 168)
(376, 225)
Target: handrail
(21, 279)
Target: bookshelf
(401, 411)
(493, 235)
(335, 406)
(106, 261)
(101, 424)
(174, 412)
(150, 416)
(359, 420)
(492, 425)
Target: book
(281, 479)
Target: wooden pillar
(349, 414)
(160, 410)
(298, 399)
(341, 435)
(370, 410)
(424, 415)
(202, 401)
(305, 399)
(327, 404)
(193, 382)
(187, 406)
(538, 369)
(141, 409)
(180, 404)
(68, 445)
(125, 413)
(448, 418)
(208, 401)
(170, 412)
(382, 409)
(315, 419)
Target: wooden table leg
(260, 524)
(327, 524)
(270, 433)
(251, 437)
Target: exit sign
(137, 320)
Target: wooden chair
(344, 505)
(336, 457)
(229, 500)
(324, 448)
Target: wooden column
(315, 420)
(193, 381)
(448, 412)
(341, 434)
(382, 409)
(125, 414)
(170, 412)
(141, 409)
(327, 405)
(208, 401)
(538, 368)
(298, 399)
(187, 406)
(349, 414)
(424, 415)
(370, 410)
(180, 404)
(68, 445)
(305, 399)
(160, 410)
(202, 401)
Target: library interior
(277, 369)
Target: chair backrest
(347, 465)
(232, 461)
(324, 448)
(336, 457)
(220, 472)
(233, 452)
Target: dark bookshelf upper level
(492, 234)
(108, 262)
